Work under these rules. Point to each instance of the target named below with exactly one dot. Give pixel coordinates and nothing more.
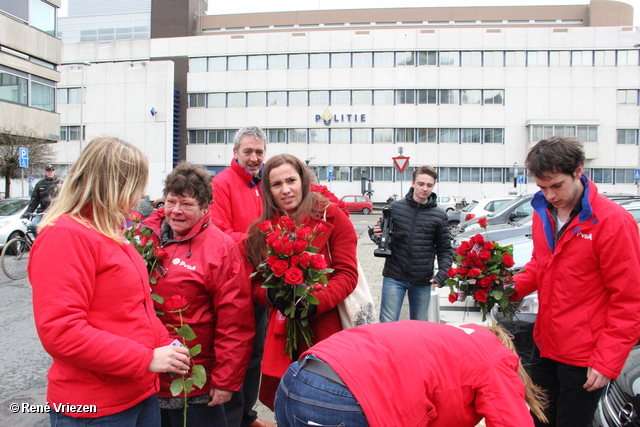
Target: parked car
(358, 203)
(10, 223)
(498, 233)
(514, 210)
(446, 203)
(158, 203)
(475, 208)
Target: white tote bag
(358, 308)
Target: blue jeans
(393, 291)
(33, 225)
(307, 399)
(198, 415)
(144, 414)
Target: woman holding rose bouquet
(288, 199)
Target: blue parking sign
(636, 176)
(23, 156)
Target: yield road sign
(400, 163)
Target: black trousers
(570, 404)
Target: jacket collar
(245, 175)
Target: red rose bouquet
(296, 271)
(483, 272)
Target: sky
(248, 6)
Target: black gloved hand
(281, 304)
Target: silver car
(10, 223)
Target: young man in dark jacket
(43, 194)
(420, 234)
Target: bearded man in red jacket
(237, 202)
(585, 263)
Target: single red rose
(176, 302)
(279, 267)
(293, 276)
(272, 237)
(453, 298)
(160, 253)
(486, 282)
(466, 245)
(317, 287)
(278, 247)
(305, 258)
(144, 240)
(451, 272)
(265, 226)
(480, 295)
(288, 248)
(304, 233)
(135, 216)
(461, 250)
(320, 228)
(477, 239)
(287, 223)
(271, 260)
(300, 246)
(318, 262)
(467, 261)
(482, 222)
(485, 255)
(507, 260)
(487, 246)
(472, 254)
(294, 260)
(462, 271)
(493, 277)
(474, 272)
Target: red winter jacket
(343, 241)
(589, 312)
(416, 374)
(95, 317)
(206, 267)
(237, 201)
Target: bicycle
(15, 254)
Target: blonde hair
(102, 187)
(312, 204)
(535, 397)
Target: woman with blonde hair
(287, 191)
(410, 374)
(91, 301)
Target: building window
(493, 136)
(383, 59)
(231, 135)
(277, 98)
(319, 60)
(72, 133)
(218, 63)
(493, 97)
(340, 60)
(625, 176)
(237, 99)
(406, 96)
(450, 59)
(43, 95)
(277, 135)
(428, 58)
(362, 60)
(217, 100)
(560, 58)
(407, 175)
(406, 135)
(469, 174)
(383, 97)
(341, 173)
(319, 97)
(515, 59)
(320, 136)
(604, 58)
(628, 96)
(427, 135)
(215, 136)
(582, 58)
(361, 136)
(340, 97)
(257, 99)
(492, 174)
(237, 63)
(493, 59)
(588, 133)
(449, 96)
(42, 16)
(258, 62)
(627, 57)
(538, 58)
(472, 59)
(360, 172)
(197, 136)
(470, 135)
(471, 96)
(383, 173)
(602, 176)
(299, 60)
(382, 136)
(298, 136)
(568, 131)
(362, 97)
(197, 64)
(14, 88)
(628, 136)
(427, 96)
(299, 98)
(448, 136)
(340, 136)
(448, 174)
(197, 100)
(277, 62)
(405, 59)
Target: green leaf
(176, 386)
(324, 279)
(157, 298)
(188, 385)
(153, 281)
(301, 290)
(195, 350)
(497, 294)
(159, 313)
(199, 376)
(186, 332)
(311, 299)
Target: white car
(446, 203)
(10, 223)
(483, 207)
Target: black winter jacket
(43, 194)
(420, 233)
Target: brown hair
(312, 204)
(187, 180)
(534, 395)
(555, 155)
(425, 170)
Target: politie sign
(327, 117)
